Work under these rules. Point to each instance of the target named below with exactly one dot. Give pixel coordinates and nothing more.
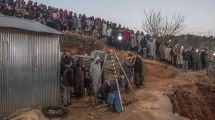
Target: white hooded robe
(95, 72)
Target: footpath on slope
(168, 93)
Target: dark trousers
(109, 40)
(174, 60)
(138, 79)
(195, 65)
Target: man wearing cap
(185, 54)
(195, 59)
(67, 81)
(95, 72)
(138, 71)
(128, 67)
(109, 35)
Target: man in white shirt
(109, 36)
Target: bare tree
(158, 25)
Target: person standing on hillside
(179, 56)
(185, 54)
(144, 46)
(70, 20)
(203, 58)
(134, 46)
(114, 34)
(128, 67)
(95, 72)
(195, 59)
(138, 71)
(167, 51)
(104, 28)
(109, 36)
(161, 51)
(67, 81)
(152, 48)
(83, 23)
(79, 79)
(126, 42)
(78, 29)
(174, 55)
(74, 22)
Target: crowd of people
(122, 38)
(88, 81)
(184, 57)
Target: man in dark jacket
(107, 93)
(128, 67)
(70, 19)
(203, 58)
(185, 60)
(138, 71)
(67, 78)
(195, 59)
(144, 46)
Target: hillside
(165, 96)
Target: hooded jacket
(95, 72)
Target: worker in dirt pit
(67, 81)
(108, 92)
(95, 72)
(128, 67)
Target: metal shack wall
(29, 70)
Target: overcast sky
(200, 14)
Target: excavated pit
(196, 102)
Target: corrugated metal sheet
(29, 70)
(24, 24)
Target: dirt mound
(194, 101)
(161, 71)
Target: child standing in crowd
(88, 83)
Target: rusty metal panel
(29, 70)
